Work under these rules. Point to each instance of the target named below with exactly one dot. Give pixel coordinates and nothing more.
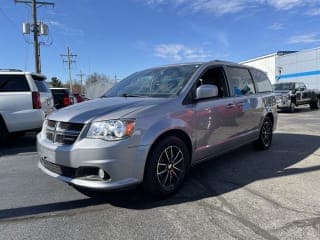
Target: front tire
(166, 167)
(265, 138)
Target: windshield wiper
(131, 95)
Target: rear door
(46, 98)
(245, 101)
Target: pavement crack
(308, 222)
(270, 200)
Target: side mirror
(206, 91)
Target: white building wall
(266, 64)
(302, 66)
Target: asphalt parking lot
(245, 194)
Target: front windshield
(283, 86)
(157, 82)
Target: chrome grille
(62, 132)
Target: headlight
(111, 129)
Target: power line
(69, 59)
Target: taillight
(66, 101)
(36, 102)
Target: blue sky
(124, 36)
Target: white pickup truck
(25, 100)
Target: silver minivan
(153, 125)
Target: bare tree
(97, 84)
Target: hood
(283, 92)
(103, 109)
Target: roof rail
(10, 70)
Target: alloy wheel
(170, 166)
(266, 133)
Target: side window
(262, 81)
(13, 83)
(240, 81)
(215, 76)
(302, 86)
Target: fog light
(101, 173)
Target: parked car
(62, 97)
(155, 124)
(292, 94)
(25, 100)
(79, 97)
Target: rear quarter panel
(18, 113)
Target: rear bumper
(283, 103)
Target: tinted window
(42, 86)
(262, 81)
(13, 83)
(240, 81)
(283, 86)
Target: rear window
(262, 81)
(42, 86)
(13, 83)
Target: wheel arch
(182, 135)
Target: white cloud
(276, 26)
(180, 52)
(305, 38)
(66, 30)
(314, 12)
(218, 7)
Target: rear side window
(240, 81)
(13, 83)
(262, 81)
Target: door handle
(230, 105)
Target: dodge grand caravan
(153, 125)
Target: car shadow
(213, 178)
(19, 144)
(299, 109)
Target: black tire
(166, 167)
(315, 104)
(292, 107)
(3, 132)
(265, 138)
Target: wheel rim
(170, 167)
(266, 133)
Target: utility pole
(81, 75)
(38, 29)
(69, 60)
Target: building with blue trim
(287, 66)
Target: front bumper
(123, 164)
(283, 102)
